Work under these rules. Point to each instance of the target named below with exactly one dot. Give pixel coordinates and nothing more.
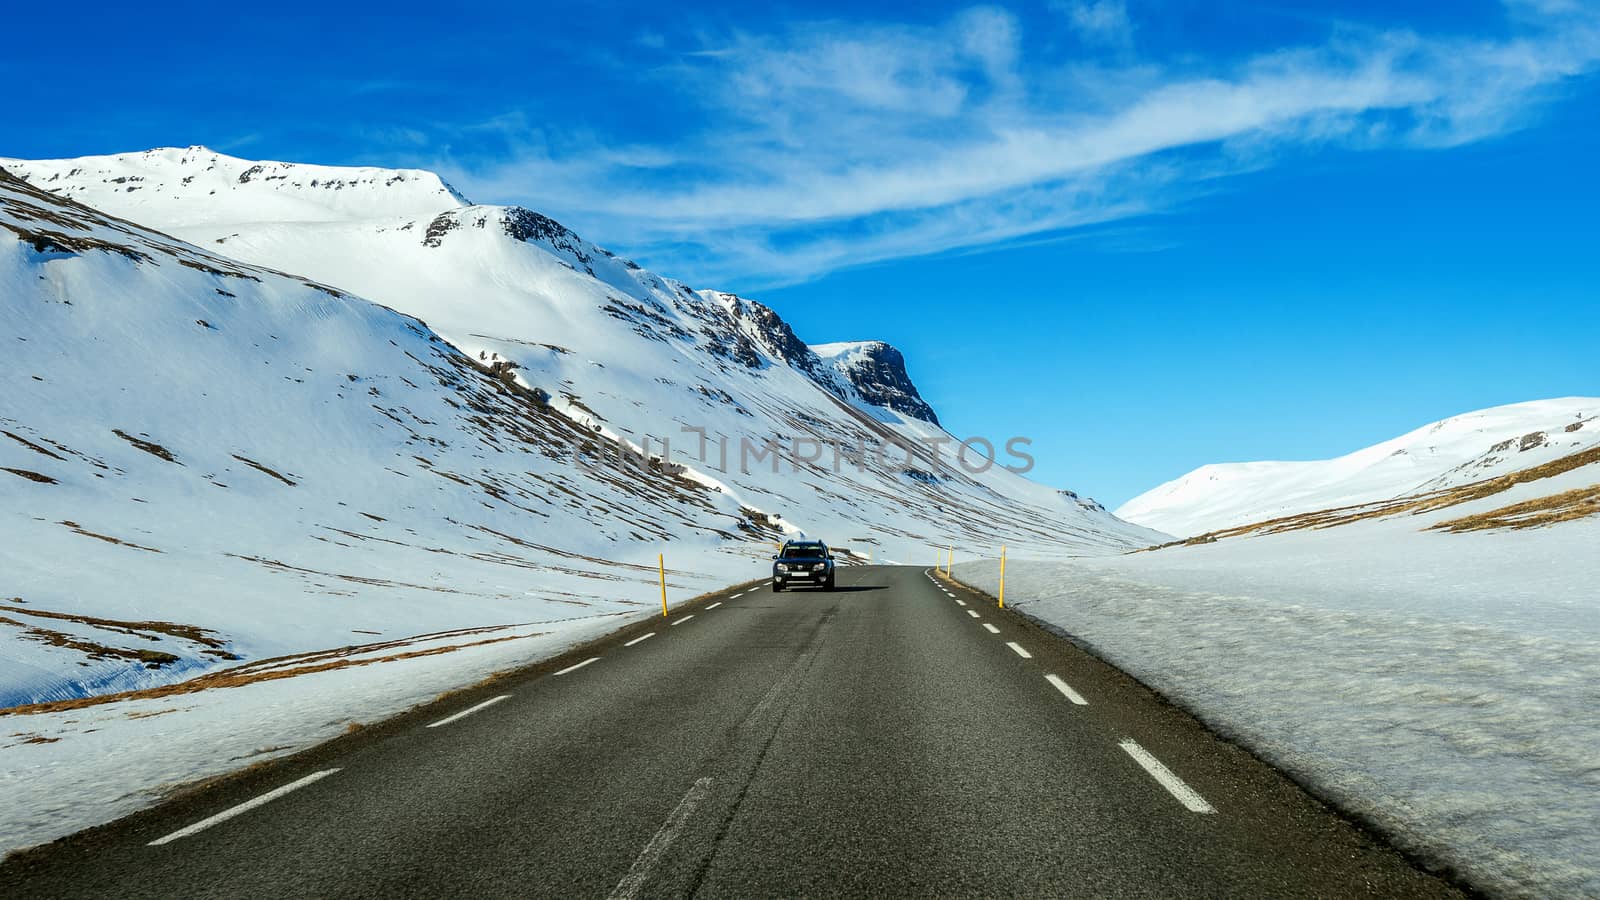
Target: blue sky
(1147, 235)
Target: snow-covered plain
(1450, 452)
(1445, 687)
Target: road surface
(896, 737)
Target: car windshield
(812, 551)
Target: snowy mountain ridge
(593, 329)
(202, 195)
(428, 474)
(1448, 453)
(163, 184)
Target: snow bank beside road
(1443, 687)
(61, 772)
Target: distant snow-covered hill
(1445, 454)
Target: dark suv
(803, 562)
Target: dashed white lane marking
(973, 613)
(960, 602)
(715, 605)
(633, 882)
(1017, 648)
(1066, 690)
(990, 628)
(467, 712)
(636, 640)
(682, 620)
(242, 808)
(1174, 785)
(579, 665)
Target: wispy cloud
(833, 144)
(1098, 21)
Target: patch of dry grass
(1563, 507)
(31, 445)
(152, 659)
(304, 664)
(193, 633)
(150, 447)
(30, 475)
(266, 470)
(78, 529)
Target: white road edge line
(973, 613)
(715, 605)
(633, 882)
(682, 620)
(579, 665)
(639, 639)
(991, 629)
(1018, 649)
(242, 808)
(1174, 785)
(1066, 690)
(467, 712)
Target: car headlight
(782, 567)
(819, 567)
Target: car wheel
(829, 585)
(777, 587)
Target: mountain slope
(1444, 454)
(205, 464)
(710, 379)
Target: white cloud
(831, 145)
(1098, 21)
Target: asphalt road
(885, 739)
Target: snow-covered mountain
(1445, 454)
(206, 463)
(643, 356)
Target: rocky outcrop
(877, 371)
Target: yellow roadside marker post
(949, 561)
(661, 565)
(1002, 576)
